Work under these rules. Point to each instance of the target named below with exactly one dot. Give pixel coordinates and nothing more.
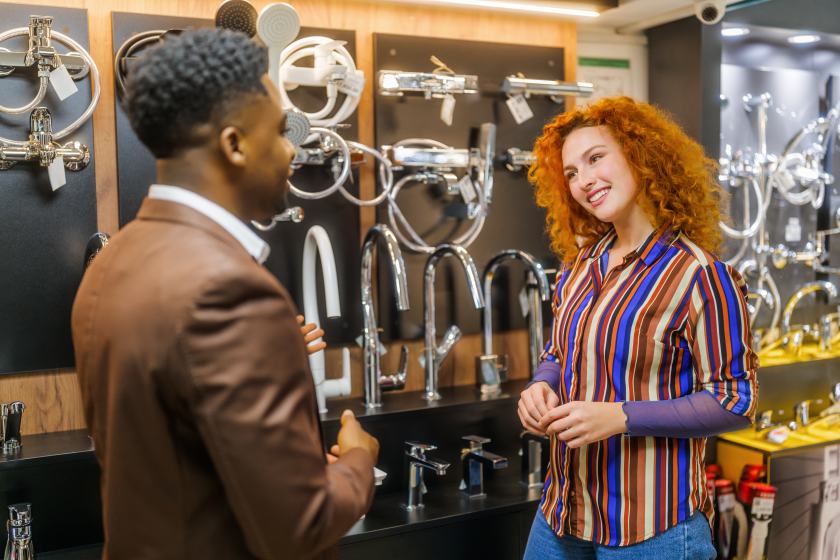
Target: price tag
(62, 83)
(762, 507)
(726, 502)
(56, 173)
(447, 109)
(467, 189)
(524, 301)
(519, 108)
(352, 84)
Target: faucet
(318, 242)
(417, 461)
(433, 354)
(10, 418)
(764, 420)
(488, 371)
(807, 288)
(19, 543)
(473, 459)
(826, 329)
(802, 415)
(534, 458)
(375, 382)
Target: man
(192, 366)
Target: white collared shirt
(255, 246)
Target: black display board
(514, 222)
(43, 232)
(136, 171)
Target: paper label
(62, 83)
(56, 173)
(726, 502)
(467, 189)
(447, 109)
(762, 507)
(524, 301)
(519, 108)
(352, 84)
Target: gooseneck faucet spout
(375, 382)
(434, 354)
(807, 288)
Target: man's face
(269, 155)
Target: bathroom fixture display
(430, 84)
(330, 149)
(553, 89)
(333, 69)
(374, 382)
(808, 288)
(277, 25)
(431, 162)
(237, 15)
(11, 415)
(95, 244)
(434, 354)
(42, 55)
(418, 462)
(19, 545)
(473, 460)
(487, 365)
(42, 148)
(534, 454)
(317, 242)
(516, 159)
(294, 214)
(128, 52)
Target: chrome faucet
(10, 418)
(417, 462)
(19, 544)
(473, 459)
(802, 414)
(807, 288)
(375, 382)
(433, 355)
(534, 459)
(488, 371)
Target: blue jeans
(689, 540)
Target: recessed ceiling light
(542, 8)
(803, 39)
(734, 31)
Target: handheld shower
(237, 15)
(277, 25)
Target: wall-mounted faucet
(10, 418)
(417, 462)
(19, 544)
(433, 355)
(318, 242)
(473, 459)
(375, 382)
(807, 288)
(488, 371)
(534, 459)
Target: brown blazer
(198, 394)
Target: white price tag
(524, 303)
(62, 83)
(447, 109)
(726, 502)
(467, 189)
(762, 507)
(56, 173)
(519, 108)
(352, 84)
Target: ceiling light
(734, 31)
(803, 39)
(541, 8)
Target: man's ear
(230, 141)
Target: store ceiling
(634, 16)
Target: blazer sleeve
(254, 404)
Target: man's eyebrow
(586, 153)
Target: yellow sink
(811, 435)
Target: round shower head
(297, 127)
(237, 15)
(278, 25)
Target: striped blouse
(666, 322)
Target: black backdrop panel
(43, 232)
(514, 222)
(136, 171)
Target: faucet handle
(10, 418)
(476, 442)
(20, 515)
(417, 449)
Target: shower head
(237, 15)
(297, 127)
(277, 26)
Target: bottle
(19, 542)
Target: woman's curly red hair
(677, 181)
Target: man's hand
(534, 403)
(311, 333)
(581, 422)
(352, 435)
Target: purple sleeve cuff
(696, 415)
(549, 372)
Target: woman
(650, 346)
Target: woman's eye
(570, 175)
(595, 157)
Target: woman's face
(598, 174)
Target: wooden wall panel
(52, 398)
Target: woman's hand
(581, 422)
(534, 403)
(311, 333)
